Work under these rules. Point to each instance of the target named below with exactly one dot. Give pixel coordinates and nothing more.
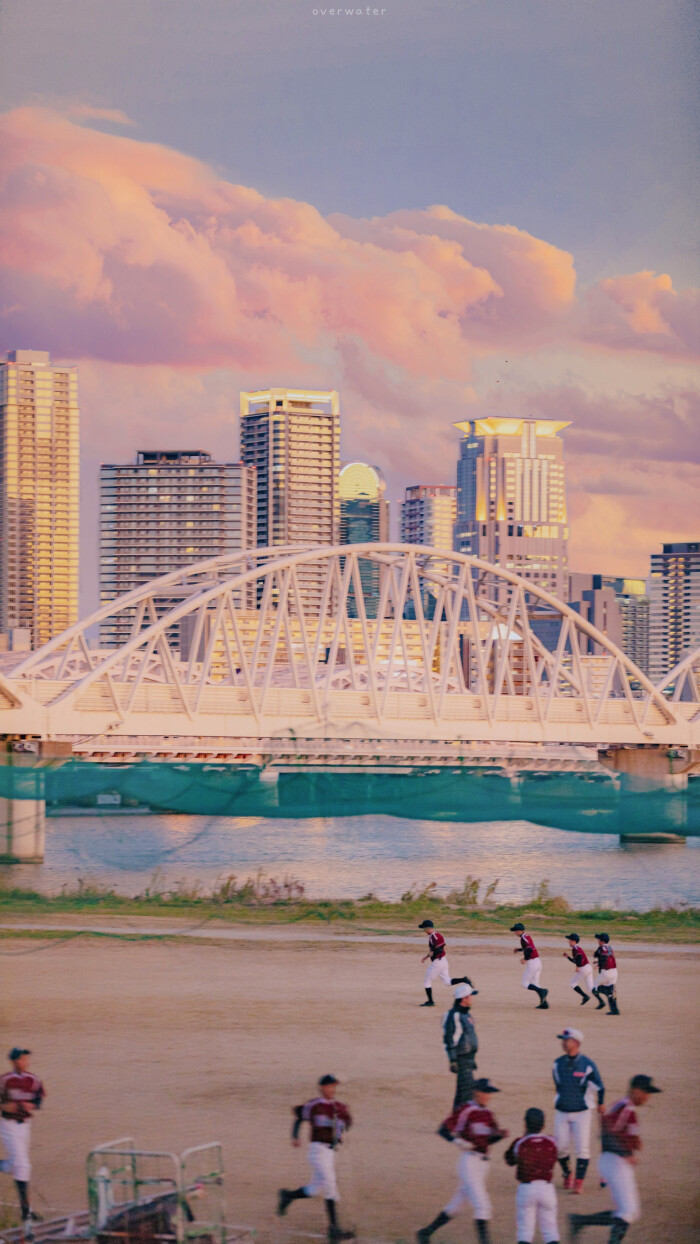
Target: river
(351, 856)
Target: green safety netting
(594, 803)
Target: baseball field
(178, 1042)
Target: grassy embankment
(263, 900)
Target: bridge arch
(286, 639)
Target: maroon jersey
(579, 957)
(474, 1125)
(535, 1157)
(328, 1119)
(436, 945)
(20, 1086)
(619, 1129)
(605, 957)
(529, 948)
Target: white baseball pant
(619, 1176)
(532, 973)
(323, 1181)
(583, 977)
(472, 1170)
(536, 1205)
(608, 977)
(437, 970)
(573, 1128)
(16, 1137)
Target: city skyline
(491, 433)
(436, 255)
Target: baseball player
(535, 1157)
(583, 976)
(328, 1120)
(620, 1143)
(606, 980)
(438, 968)
(533, 965)
(461, 1042)
(578, 1082)
(473, 1129)
(21, 1093)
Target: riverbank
(178, 1042)
(263, 901)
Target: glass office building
(364, 519)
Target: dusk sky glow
(455, 209)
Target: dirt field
(180, 1043)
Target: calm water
(349, 856)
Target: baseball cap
(573, 1034)
(16, 1053)
(484, 1086)
(573, 937)
(644, 1083)
(427, 924)
(465, 991)
(328, 1080)
(602, 937)
(517, 928)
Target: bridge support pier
(660, 802)
(22, 831)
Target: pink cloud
(175, 288)
(131, 252)
(642, 311)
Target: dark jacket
(459, 1035)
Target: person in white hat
(579, 1085)
(461, 1042)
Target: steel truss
(428, 656)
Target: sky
(450, 209)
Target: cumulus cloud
(175, 287)
(131, 252)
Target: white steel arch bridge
(284, 643)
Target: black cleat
(284, 1200)
(586, 999)
(544, 1005)
(423, 1235)
(575, 1227)
(335, 1234)
(422, 1004)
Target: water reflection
(349, 856)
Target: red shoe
(568, 1183)
(578, 1187)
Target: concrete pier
(22, 831)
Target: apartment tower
(511, 500)
(674, 606)
(165, 510)
(292, 438)
(39, 496)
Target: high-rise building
(594, 597)
(511, 500)
(292, 438)
(166, 510)
(633, 603)
(39, 495)
(674, 605)
(428, 514)
(364, 519)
